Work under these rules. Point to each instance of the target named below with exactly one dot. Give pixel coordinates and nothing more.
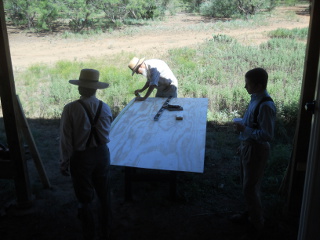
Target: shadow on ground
(200, 211)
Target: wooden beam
(24, 126)
(14, 138)
(310, 208)
(301, 141)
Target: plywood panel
(136, 140)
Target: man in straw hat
(158, 75)
(84, 134)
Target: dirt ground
(203, 201)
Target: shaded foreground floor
(201, 210)
(151, 215)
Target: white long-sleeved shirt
(159, 74)
(266, 120)
(75, 127)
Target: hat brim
(134, 70)
(92, 85)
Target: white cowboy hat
(89, 78)
(135, 63)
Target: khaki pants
(253, 157)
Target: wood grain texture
(136, 140)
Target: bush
(22, 12)
(251, 7)
(231, 8)
(296, 33)
(218, 9)
(48, 13)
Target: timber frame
(16, 127)
(297, 167)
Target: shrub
(47, 12)
(231, 8)
(296, 33)
(220, 9)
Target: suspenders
(93, 122)
(256, 111)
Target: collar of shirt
(258, 96)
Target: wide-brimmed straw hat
(135, 63)
(89, 78)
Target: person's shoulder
(268, 105)
(106, 106)
(154, 60)
(70, 104)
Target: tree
(79, 12)
(251, 7)
(114, 10)
(47, 14)
(230, 8)
(219, 9)
(193, 5)
(22, 11)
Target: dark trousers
(253, 158)
(90, 174)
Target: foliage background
(103, 15)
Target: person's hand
(64, 170)
(136, 92)
(140, 98)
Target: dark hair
(86, 92)
(258, 76)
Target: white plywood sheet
(136, 140)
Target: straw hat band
(89, 78)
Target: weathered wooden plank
(24, 126)
(136, 140)
(14, 136)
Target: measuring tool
(167, 106)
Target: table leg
(173, 185)
(128, 171)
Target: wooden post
(310, 208)
(301, 141)
(32, 146)
(14, 138)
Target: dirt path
(180, 30)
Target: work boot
(252, 233)
(87, 222)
